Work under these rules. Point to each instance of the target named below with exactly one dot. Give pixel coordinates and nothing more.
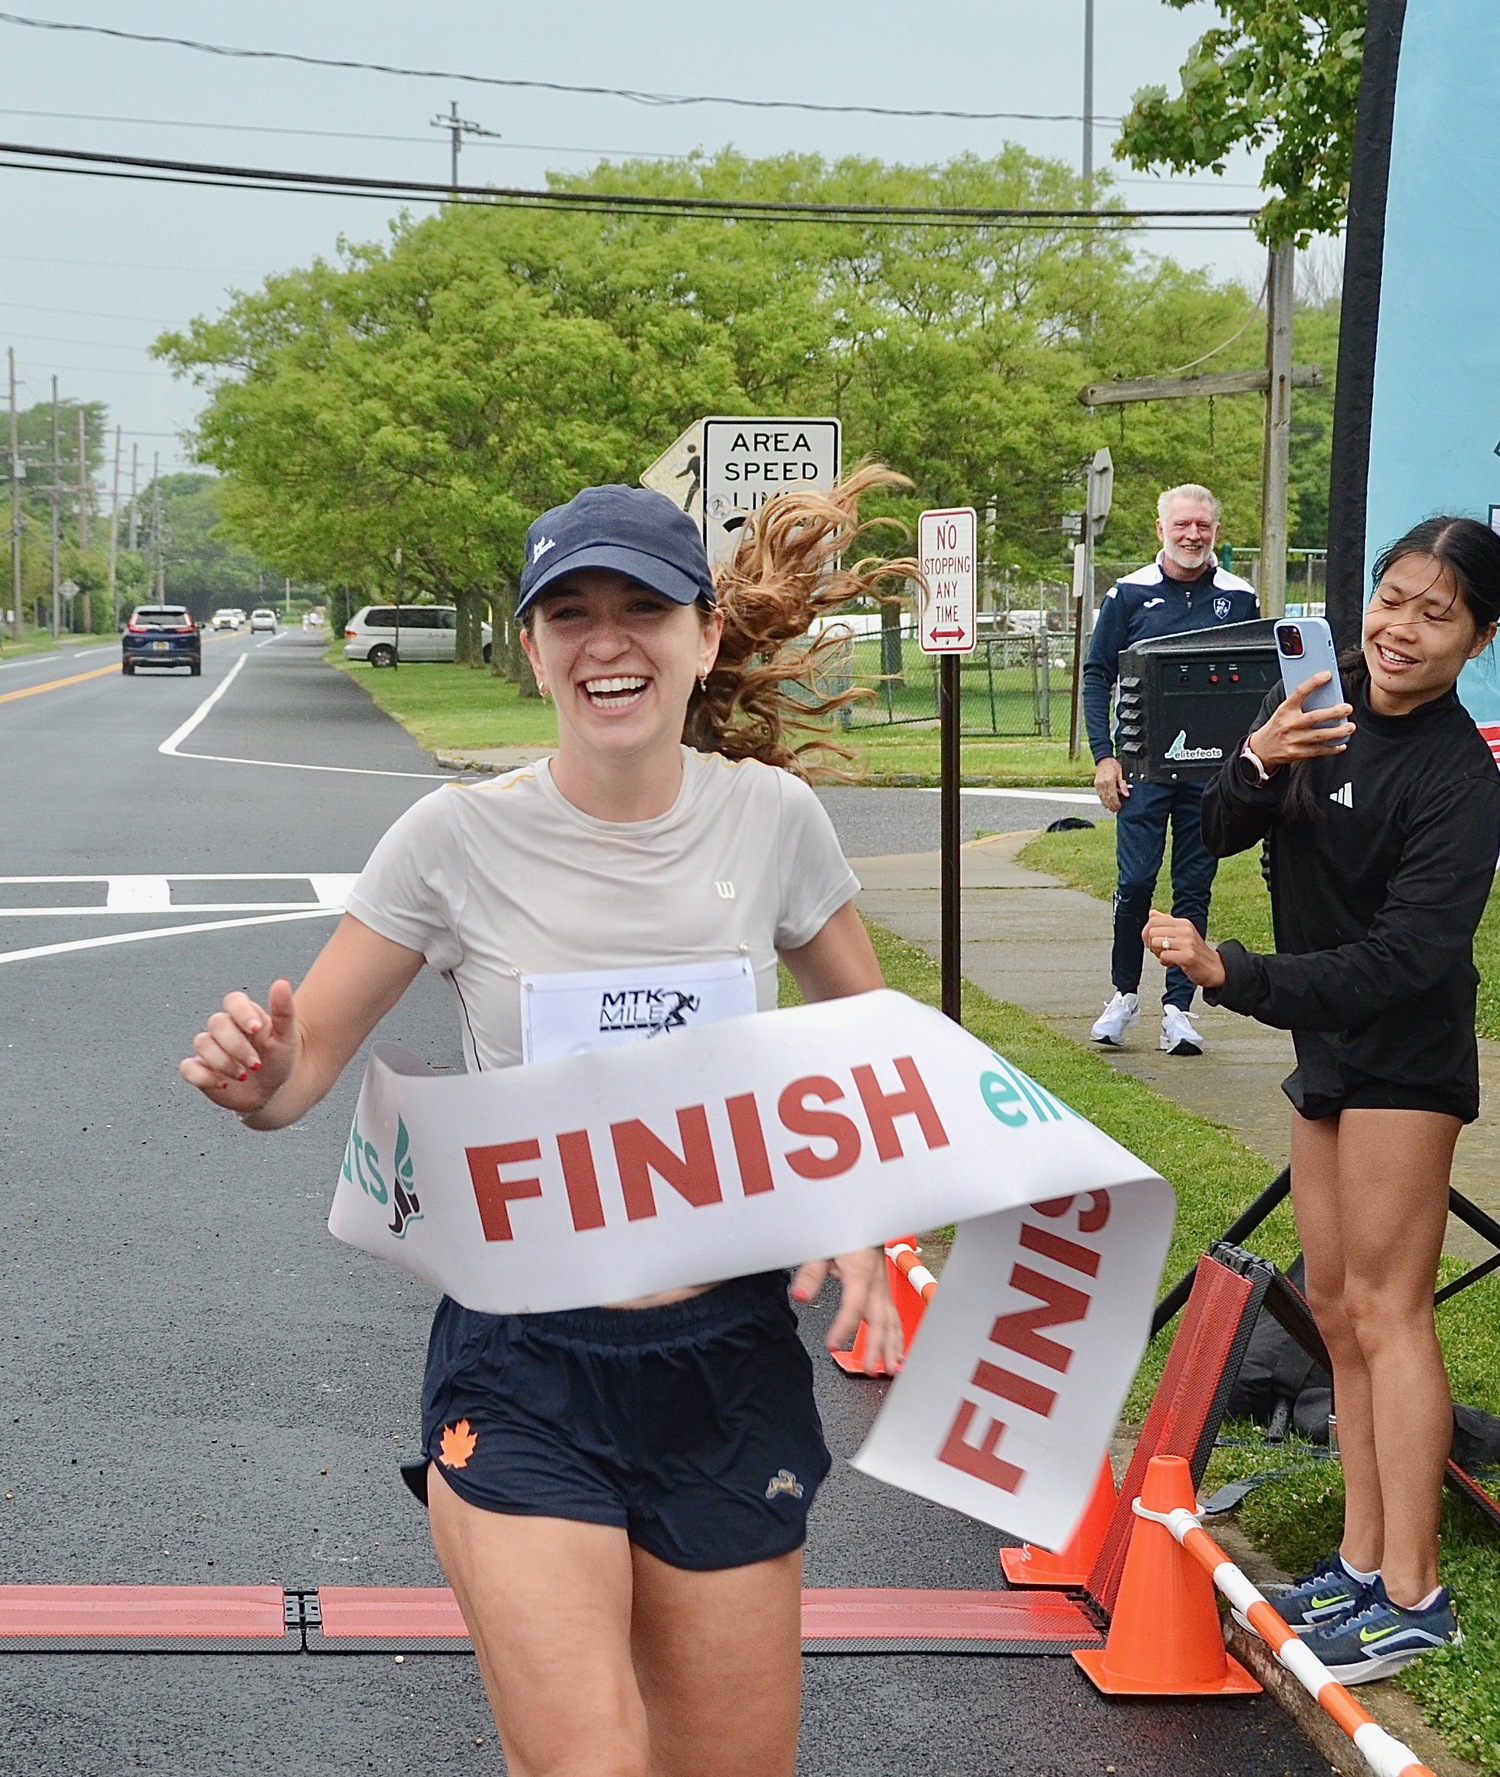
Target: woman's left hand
(866, 1297)
(1178, 941)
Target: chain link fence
(1019, 679)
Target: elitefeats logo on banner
(362, 1167)
(653, 1009)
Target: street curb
(1396, 1710)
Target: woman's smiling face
(619, 660)
(1419, 634)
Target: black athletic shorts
(1363, 1092)
(692, 1426)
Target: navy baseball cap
(628, 529)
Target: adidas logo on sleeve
(1344, 795)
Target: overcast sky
(91, 270)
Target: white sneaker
(1177, 1034)
(1116, 1018)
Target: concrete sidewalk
(1030, 940)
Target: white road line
(1083, 796)
(178, 735)
(212, 925)
(171, 745)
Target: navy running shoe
(1318, 1597)
(1381, 1637)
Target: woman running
(622, 1516)
(1384, 829)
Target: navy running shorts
(692, 1427)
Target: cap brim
(649, 570)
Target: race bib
(574, 1014)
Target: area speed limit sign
(946, 548)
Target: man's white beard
(1173, 554)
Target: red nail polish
(254, 1067)
(242, 1075)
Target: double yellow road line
(57, 684)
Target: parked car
(426, 632)
(228, 619)
(264, 618)
(161, 635)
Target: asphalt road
(201, 1386)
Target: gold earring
(703, 684)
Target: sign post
(746, 462)
(947, 549)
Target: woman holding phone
(1382, 815)
(619, 1494)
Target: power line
(130, 166)
(48, 308)
(216, 271)
(266, 129)
(54, 339)
(547, 86)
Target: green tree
(436, 392)
(1277, 74)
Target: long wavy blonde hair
(771, 682)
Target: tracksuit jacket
(1150, 603)
(1375, 901)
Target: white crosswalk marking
(138, 894)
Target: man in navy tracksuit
(1184, 588)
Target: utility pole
(1276, 458)
(114, 535)
(157, 552)
(1088, 104)
(459, 127)
(15, 507)
(84, 489)
(135, 475)
(56, 521)
(83, 514)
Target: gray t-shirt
(498, 880)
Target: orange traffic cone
(1165, 1639)
(1073, 1562)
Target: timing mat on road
(426, 1619)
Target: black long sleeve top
(1374, 900)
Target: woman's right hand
(1292, 733)
(248, 1052)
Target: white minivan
(427, 632)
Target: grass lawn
(1241, 907)
(458, 708)
(1296, 1518)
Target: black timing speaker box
(1185, 702)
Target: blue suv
(162, 635)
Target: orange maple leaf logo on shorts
(458, 1445)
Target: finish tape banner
(761, 1142)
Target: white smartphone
(1304, 646)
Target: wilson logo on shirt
(1343, 795)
